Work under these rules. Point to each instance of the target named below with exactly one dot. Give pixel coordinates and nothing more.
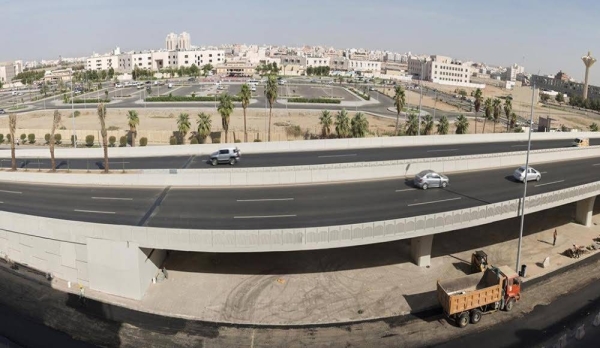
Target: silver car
(229, 155)
(429, 178)
(532, 174)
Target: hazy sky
(542, 35)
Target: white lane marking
(518, 145)
(15, 192)
(444, 150)
(1, 202)
(265, 200)
(549, 183)
(329, 156)
(263, 217)
(94, 211)
(443, 200)
(597, 164)
(543, 172)
(252, 340)
(113, 198)
(117, 162)
(410, 189)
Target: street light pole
(73, 112)
(525, 186)
(420, 97)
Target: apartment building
(183, 42)
(367, 67)
(317, 61)
(8, 71)
(293, 65)
(440, 69)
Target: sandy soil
(412, 98)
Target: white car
(118, 85)
(532, 174)
(230, 155)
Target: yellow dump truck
(467, 298)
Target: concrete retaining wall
(298, 174)
(291, 146)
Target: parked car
(229, 155)
(2, 111)
(118, 85)
(532, 174)
(429, 178)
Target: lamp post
(525, 186)
(73, 111)
(420, 97)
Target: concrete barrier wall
(298, 174)
(292, 146)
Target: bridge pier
(585, 211)
(420, 250)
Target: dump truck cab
(581, 142)
(511, 286)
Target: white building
(366, 67)
(171, 42)
(8, 71)
(183, 42)
(316, 62)
(441, 69)
(104, 62)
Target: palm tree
(225, 109)
(133, 121)
(508, 111)
(245, 96)
(462, 124)
(183, 125)
(204, 126)
(478, 100)
(360, 125)
(443, 126)
(412, 124)
(326, 121)
(12, 124)
(497, 108)
(513, 120)
(399, 102)
(52, 141)
(102, 118)
(427, 124)
(271, 94)
(488, 109)
(342, 124)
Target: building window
(210, 55)
(185, 56)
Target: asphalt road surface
(284, 206)
(279, 159)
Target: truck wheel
(213, 162)
(475, 316)
(509, 305)
(463, 319)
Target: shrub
(112, 140)
(257, 141)
(91, 101)
(62, 128)
(143, 141)
(8, 138)
(194, 141)
(89, 140)
(294, 131)
(31, 138)
(77, 113)
(238, 140)
(112, 128)
(173, 141)
(73, 139)
(57, 138)
(23, 137)
(216, 140)
(47, 138)
(314, 100)
(1, 138)
(123, 141)
(180, 98)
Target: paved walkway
(350, 284)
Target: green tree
(497, 109)
(544, 97)
(427, 124)
(225, 109)
(12, 125)
(593, 127)
(399, 103)
(560, 98)
(206, 68)
(103, 75)
(183, 125)
(52, 140)
(43, 90)
(359, 125)
(111, 73)
(478, 100)
(326, 121)
(194, 71)
(488, 109)
(204, 126)
(462, 124)
(271, 95)
(102, 118)
(342, 124)
(245, 95)
(443, 126)
(513, 120)
(133, 121)
(508, 112)
(411, 126)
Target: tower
(171, 42)
(588, 61)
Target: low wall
(291, 175)
(293, 146)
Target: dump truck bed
(473, 291)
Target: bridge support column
(420, 250)
(585, 211)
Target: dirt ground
(412, 98)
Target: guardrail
(290, 175)
(294, 146)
